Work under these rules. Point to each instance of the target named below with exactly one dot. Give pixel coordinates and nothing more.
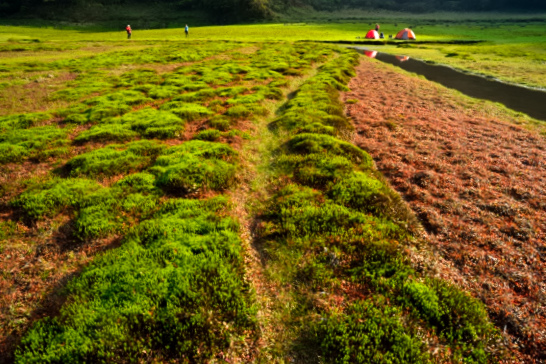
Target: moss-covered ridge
(173, 288)
(339, 234)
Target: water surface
(529, 101)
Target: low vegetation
(158, 197)
(169, 290)
(475, 180)
(338, 235)
(123, 235)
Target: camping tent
(402, 58)
(405, 34)
(372, 34)
(370, 54)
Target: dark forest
(240, 10)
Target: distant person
(381, 36)
(186, 30)
(377, 27)
(129, 31)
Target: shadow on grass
(50, 304)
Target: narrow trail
(478, 184)
(248, 198)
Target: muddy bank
(478, 185)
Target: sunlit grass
(513, 50)
(199, 95)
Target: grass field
(167, 199)
(513, 47)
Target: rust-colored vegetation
(478, 184)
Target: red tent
(372, 34)
(405, 34)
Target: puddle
(529, 101)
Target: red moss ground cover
(478, 185)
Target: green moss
(198, 96)
(174, 287)
(139, 77)
(115, 159)
(18, 144)
(302, 212)
(12, 153)
(231, 91)
(177, 80)
(139, 182)
(313, 143)
(152, 123)
(239, 112)
(51, 197)
(220, 122)
(246, 99)
(370, 331)
(269, 92)
(163, 92)
(317, 170)
(22, 121)
(216, 78)
(187, 111)
(360, 191)
(106, 132)
(195, 86)
(128, 97)
(102, 112)
(209, 134)
(105, 107)
(262, 74)
(79, 89)
(278, 83)
(95, 222)
(81, 119)
(195, 165)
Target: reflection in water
(402, 58)
(370, 54)
(530, 101)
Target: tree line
(240, 10)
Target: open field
(513, 47)
(203, 200)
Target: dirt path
(478, 185)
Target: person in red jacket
(377, 27)
(129, 30)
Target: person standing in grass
(186, 30)
(129, 31)
(377, 27)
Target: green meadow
(199, 200)
(511, 48)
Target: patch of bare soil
(33, 96)
(478, 185)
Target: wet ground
(527, 100)
(478, 185)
